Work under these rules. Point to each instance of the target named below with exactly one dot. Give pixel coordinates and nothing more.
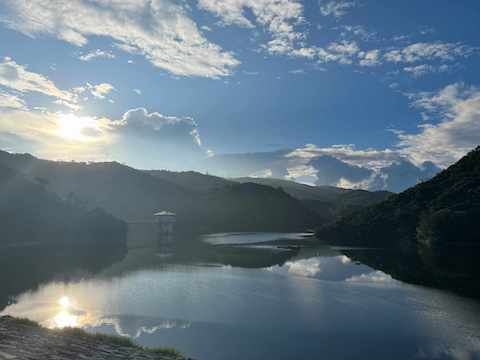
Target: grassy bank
(26, 327)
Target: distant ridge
(135, 195)
(444, 209)
(328, 202)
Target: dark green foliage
(135, 195)
(443, 210)
(31, 215)
(249, 207)
(327, 201)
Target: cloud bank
(160, 30)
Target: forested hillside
(31, 215)
(135, 195)
(442, 210)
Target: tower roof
(165, 213)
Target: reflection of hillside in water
(28, 270)
(453, 268)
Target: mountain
(191, 180)
(328, 202)
(135, 195)
(431, 230)
(441, 210)
(254, 207)
(32, 216)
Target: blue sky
(387, 86)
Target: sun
(72, 127)
(64, 302)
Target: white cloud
(97, 54)
(140, 138)
(424, 69)
(359, 31)
(342, 52)
(338, 165)
(456, 130)
(19, 78)
(51, 135)
(100, 90)
(9, 101)
(336, 8)
(429, 51)
(137, 91)
(370, 58)
(158, 29)
(299, 171)
(279, 17)
(344, 47)
(368, 158)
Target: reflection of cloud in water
(446, 352)
(131, 326)
(310, 267)
(332, 268)
(305, 267)
(374, 276)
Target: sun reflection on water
(65, 317)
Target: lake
(253, 296)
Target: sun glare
(64, 302)
(72, 127)
(65, 319)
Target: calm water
(315, 303)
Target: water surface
(311, 303)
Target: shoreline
(24, 339)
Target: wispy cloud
(279, 18)
(161, 31)
(9, 101)
(429, 51)
(98, 91)
(453, 126)
(101, 90)
(18, 78)
(369, 58)
(97, 54)
(336, 8)
(424, 69)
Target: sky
(369, 94)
